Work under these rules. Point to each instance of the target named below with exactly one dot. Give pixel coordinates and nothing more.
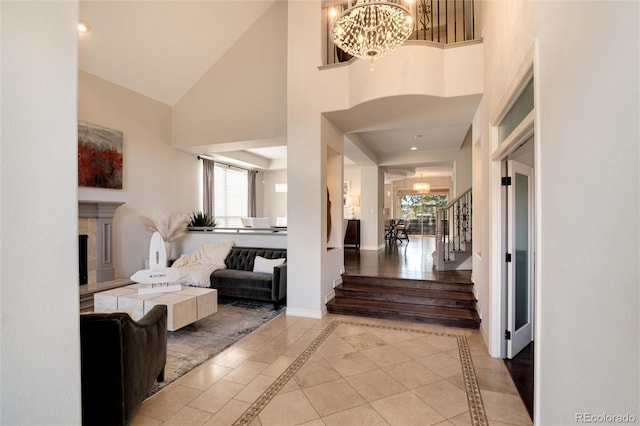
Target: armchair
(120, 361)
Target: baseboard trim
(329, 296)
(304, 313)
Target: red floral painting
(99, 156)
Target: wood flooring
(521, 371)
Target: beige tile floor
(359, 375)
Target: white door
(520, 257)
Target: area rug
(474, 398)
(190, 346)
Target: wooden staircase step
(457, 284)
(448, 316)
(411, 295)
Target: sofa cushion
(266, 266)
(241, 279)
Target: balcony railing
(444, 22)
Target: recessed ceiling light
(414, 148)
(83, 27)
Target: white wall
(39, 336)
(587, 162)
(446, 72)
(463, 178)
(156, 176)
(274, 204)
(372, 205)
(591, 146)
(306, 165)
(190, 242)
(243, 95)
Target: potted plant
(201, 220)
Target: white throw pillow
(266, 265)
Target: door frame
(519, 338)
(527, 129)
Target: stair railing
(453, 226)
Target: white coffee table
(184, 307)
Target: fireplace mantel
(101, 248)
(99, 209)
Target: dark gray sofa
(239, 280)
(121, 359)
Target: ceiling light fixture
(83, 27)
(372, 28)
(421, 187)
(414, 148)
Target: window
(231, 195)
(420, 211)
(522, 106)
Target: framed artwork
(346, 189)
(99, 156)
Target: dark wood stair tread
(405, 307)
(455, 317)
(443, 277)
(408, 283)
(410, 291)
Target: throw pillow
(266, 265)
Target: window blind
(231, 199)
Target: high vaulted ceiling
(161, 48)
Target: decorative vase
(167, 246)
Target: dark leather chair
(120, 359)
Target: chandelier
(372, 28)
(421, 187)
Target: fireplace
(83, 268)
(95, 221)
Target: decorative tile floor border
(474, 398)
(476, 407)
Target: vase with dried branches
(170, 226)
